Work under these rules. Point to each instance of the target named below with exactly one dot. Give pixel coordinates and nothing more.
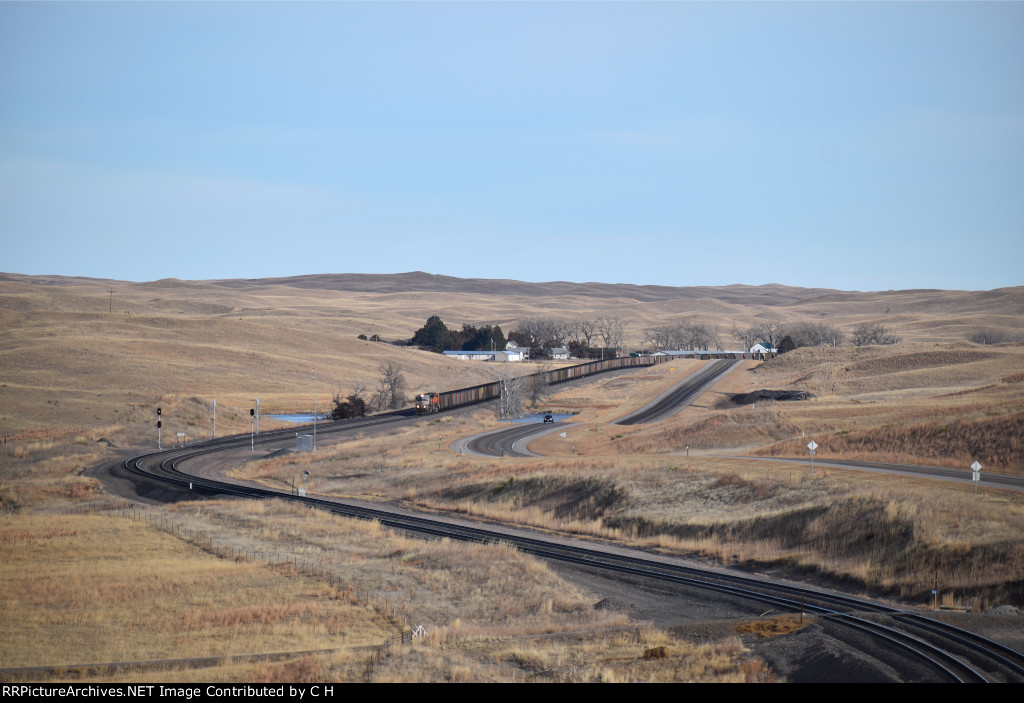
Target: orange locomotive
(427, 403)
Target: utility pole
(111, 300)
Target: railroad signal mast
(159, 424)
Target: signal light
(159, 411)
(252, 413)
(158, 424)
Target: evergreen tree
(433, 335)
(486, 338)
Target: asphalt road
(510, 441)
(514, 440)
(682, 394)
(987, 479)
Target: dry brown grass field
(79, 382)
(212, 579)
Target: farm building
(511, 355)
(470, 355)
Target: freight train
(427, 403)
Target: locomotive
(427, 403)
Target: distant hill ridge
(421, 282)
(1005, 301)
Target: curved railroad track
(948, 653)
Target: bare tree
(697, 336)
(586, 329)
(748, 337)
(559, 331)
(358, 389)
(766, 332)
(539, 333)
(815, 334)
(612, 330)
(994, 336)
(872, 333)
(716, 338)
(536, 389)
(390, 393)
(770, 332)
(661, 337)
(511, 402)
(685, 335)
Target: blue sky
(859, 146)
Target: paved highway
(682, 394)
(514, 440)
(987, 480)
(511, 441)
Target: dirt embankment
(998, 443)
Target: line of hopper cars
(427, 403)
(435, 402)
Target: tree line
(582, 337)
(787, 337)
(602, 337)
(435, 336)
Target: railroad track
(949, 653)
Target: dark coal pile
(755, 396)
